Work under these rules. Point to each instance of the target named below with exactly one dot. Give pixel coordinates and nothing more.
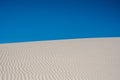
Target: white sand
(75, 59)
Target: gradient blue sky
(35, 20)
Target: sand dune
(75, 59)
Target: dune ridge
(75, 59)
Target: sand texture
(74, 59)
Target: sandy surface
(75, 59)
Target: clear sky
(36, 20)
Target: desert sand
(73, 59)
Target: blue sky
(36, 20)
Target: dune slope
(75, 59)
